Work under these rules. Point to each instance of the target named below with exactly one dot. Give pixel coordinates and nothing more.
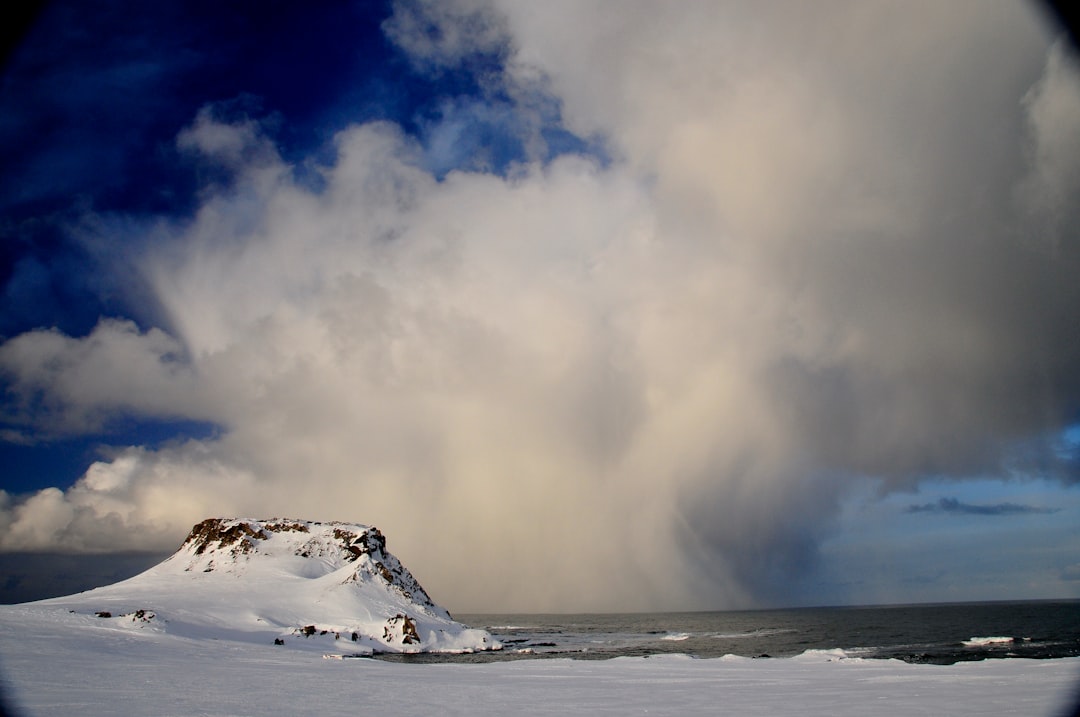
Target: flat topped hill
(327, 586)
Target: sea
(939, 634)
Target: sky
(634, 306)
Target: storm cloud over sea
(687, 306)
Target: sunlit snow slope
(331, 587)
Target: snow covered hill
(330, 587)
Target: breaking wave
(984, 641)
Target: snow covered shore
(52, 667)
(239, 620)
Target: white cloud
(438, 34)
(138, 500)
(65, 384)
(236, 144)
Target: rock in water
(331, 587)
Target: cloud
(234, 144)
(136, 501)
(437, 35)
(62, 385)
(952, 505)
(636, 383)
(1052, 104)
(43, 575)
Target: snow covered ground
(55, 664)
(196, 634)
(323, 587)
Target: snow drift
(331, 587)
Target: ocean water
(939, 634)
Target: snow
(196, 635)
(59, 663)
(321, 587)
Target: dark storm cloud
(36, 576)
(952, 505)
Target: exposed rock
(404, 625)
(283, 527)
(224, 533)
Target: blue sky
(737, 308)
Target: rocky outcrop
(401, 628)
(240, 536)
(227, 543)
(330, 586)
